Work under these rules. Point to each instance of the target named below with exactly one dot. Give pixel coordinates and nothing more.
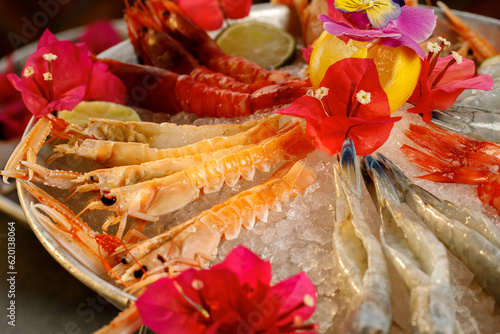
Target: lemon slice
(99, 109)
(262, 43)
(398, 68)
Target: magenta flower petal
(104, 86)
(46, 39)
(236, 9)
(416, 23)
(205, 13)
(297, 296)
(234, 296)
(99, 36)
(241, 261)
(403, 41)
(59, 75)
(363, 35)
(164, 317)
(412, 27)
(442, 94)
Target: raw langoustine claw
(418, 256)
(469, 235)
(86, 245)
(359, 253)
(194, 242)
(29, 146)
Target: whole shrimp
(162, 90)
(469, 235)
(453, 158)
(150, 199)
(138, 134)
(194, 242)
(418, 256)
(358, 253)
(156, 135)
(175, 23)
(111, 153)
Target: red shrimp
(452, 158)
(175, 23)
(161, 90)
(155, 47)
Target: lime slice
(262, 43)
(99, 109)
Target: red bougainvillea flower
(210, 14)
(58, 76)
(13, 113)
(234, 296)
(99, 36)
(442, 80)
(350, 103)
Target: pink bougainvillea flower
(350, 103)
(231, 297)
(58, 76)
(413, 26)
(99, 36)
(210, 14)
(13, 113)
(442, 80)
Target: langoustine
(480, 46)
(150, 199)
(22, 163)
(194, 242)
(112, 153)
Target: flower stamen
(49, 57)
(364, 97)
(28, 71)
(47, 76)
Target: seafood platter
(122, 204)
